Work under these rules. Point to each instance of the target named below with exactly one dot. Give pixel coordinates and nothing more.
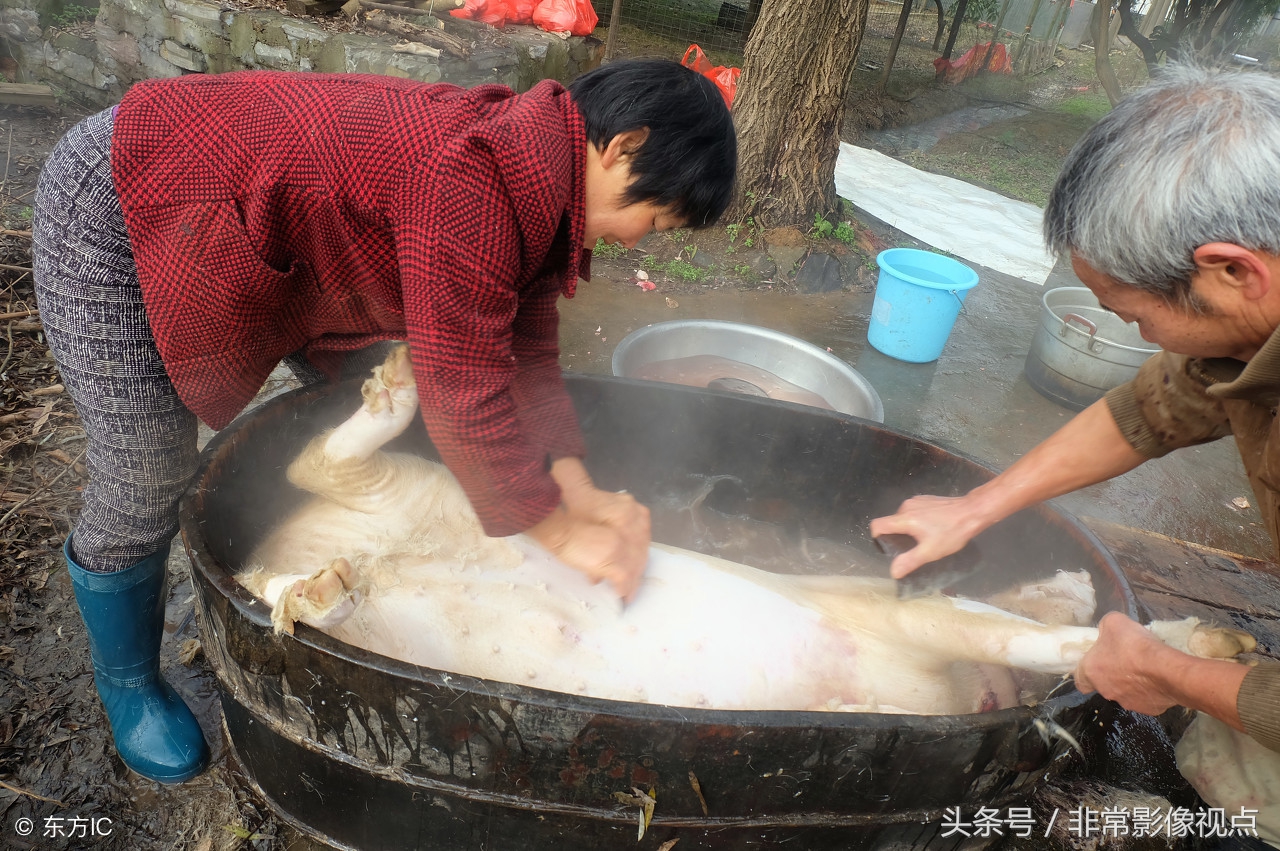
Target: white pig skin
(390, 557)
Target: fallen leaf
(1240, 503)
(671, 302)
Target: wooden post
(611, 43)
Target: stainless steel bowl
(786, 357)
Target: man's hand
(1138, 671)
(602, 534)
(1127, 665)
(941, 526)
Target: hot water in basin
(453, 762)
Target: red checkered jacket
(271, 212)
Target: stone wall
(131, 40)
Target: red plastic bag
(997, 60)
(521, 11)
(471, 9)
(725, 78)
(576, 17)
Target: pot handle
(1068, 318)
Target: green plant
(608, 250)
(821, 227)
(684, 270)
(73, 14)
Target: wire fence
(1028, 28)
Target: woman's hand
(604, 535)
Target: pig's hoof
(391, 388)
(1207, 642)
(390, 401)
(323, 600)
(1220, 642)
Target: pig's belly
(695, 635)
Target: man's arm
(1138, 671)
(1087, 450)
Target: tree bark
(1100, 24)
(789, 109)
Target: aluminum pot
(789, 358)
(1081, 350)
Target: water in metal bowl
(746, 359)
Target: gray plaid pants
(141, 437)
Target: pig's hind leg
(390, 401)
(345, 465)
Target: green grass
(608, 250)
(1027, 177)
(1092, 106)
(678, 269)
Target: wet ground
(974, 400)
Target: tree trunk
(789, 109)
(962, 6)
(611, 43)
(942, 23)
(1100, 24)
(903, 18)
(1155, 16)
(1130, 31)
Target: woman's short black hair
(690, 158)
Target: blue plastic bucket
(918, 297)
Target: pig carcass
(389, 556)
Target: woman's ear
(1234, 267)
(623, 146)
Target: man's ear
(623, 146)
(1231, 265)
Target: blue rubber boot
(155, 733)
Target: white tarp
(946, 213)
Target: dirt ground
(57, 767)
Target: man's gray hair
(1191, 158)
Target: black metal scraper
(933, 576)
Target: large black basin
(371, 753)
